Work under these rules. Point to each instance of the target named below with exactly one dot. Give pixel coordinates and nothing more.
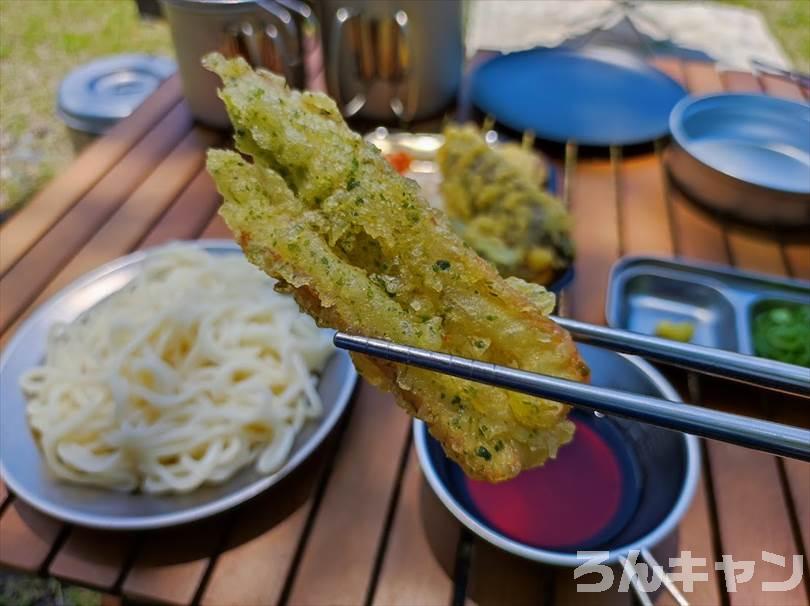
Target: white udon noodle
(189, 373)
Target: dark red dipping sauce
(569, 502)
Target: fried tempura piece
(325, 214)
(525, 160)
(499, 209)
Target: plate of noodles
(165, 387)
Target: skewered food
(355, 243)
(495, 202)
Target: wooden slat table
(359, 525)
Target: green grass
(21, 590)
(40, 42)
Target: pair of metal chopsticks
(775, 438)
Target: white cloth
(732, 36)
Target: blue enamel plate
(596, 97)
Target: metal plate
(27, 476)
(754, 138)
(593, 97)
(744, 155)
(717, 300)
(669, 468)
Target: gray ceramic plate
(26, 475)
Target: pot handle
(279, 41)
(274, 52)
(404, 110)
(310, 51)
(342, 17)
(239, 41)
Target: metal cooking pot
(392, 60)
(280, 35)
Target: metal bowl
(26, 474)
(746, 156)
(664, 465)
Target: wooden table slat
(126, 227)
(189, 215)
(94, 558)
(32, 273)
(695, 534)
(216, 228)
(645, 227)
(797, 474)
(781, 87)
(755, 254)
(798, 260)
(420, 556)
(596, 236)
(672, 67)
(27, 226)
(566, 594)
(697, 237)
(26, 537)
(255, 571)
(702, 79)
(752, 253)
(354, 505)
(752, 517)
(496, 577)
(171, 563)
(265, 537)
(741, 82)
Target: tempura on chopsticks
(355, 243)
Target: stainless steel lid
(98, 94)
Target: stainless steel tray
(720, 302)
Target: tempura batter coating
(498, 208)
(361, 251)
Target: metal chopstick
(775, 438)
(779, 376)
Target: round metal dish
(27, 476)
(668, 467)
(744, 155)
(595, 96)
